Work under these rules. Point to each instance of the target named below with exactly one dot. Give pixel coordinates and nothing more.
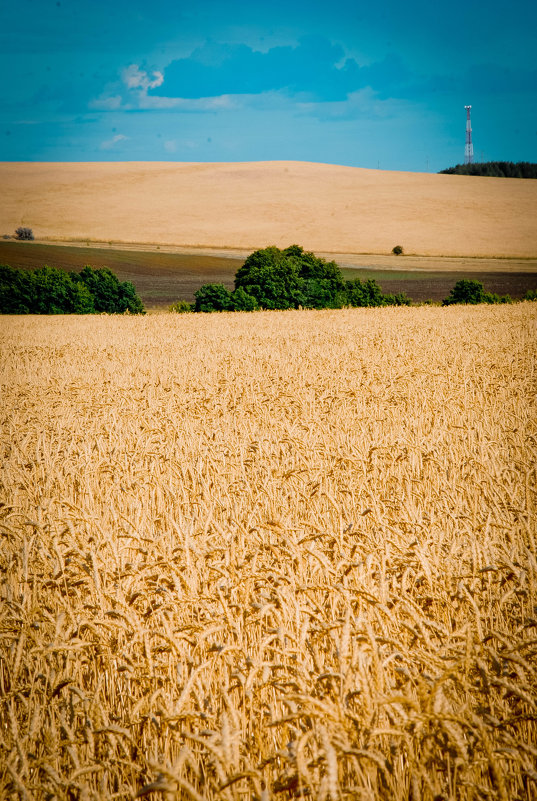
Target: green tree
(364, 293)
(213, 297)
(128, 300)
(466, 291)
(52, 291)
(473, 292)
(400, 299)
(242, 301)
(81, 299)
(48, 290)
(496, 169)
(109, 294)
(103, 285)
(16, 293)
(287, 279)
(272, 278)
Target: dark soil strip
(422, 286)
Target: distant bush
(531, 294)
(181, 307)
(473, 292)
(290, 279)
(495, 169)
(48, 290)
(24, 233)
(400, 299)
(397, 250)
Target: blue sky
(357, 83)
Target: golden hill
(248, 205)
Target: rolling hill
(323, 207)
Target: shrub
(364, 293)
(397, 250)
(466, 291)
(531, 294)
(181, 307)
(473, 292)
(24, 233)
(492, 297)
(400, 299)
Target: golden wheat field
(248, 205)
(276, 555)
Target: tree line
(48, 290)
(269, 279)
(495, 169)
(292, 278)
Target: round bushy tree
(287, 279)
(364, 293)
(109, 294)
(213, 297)
(466, 291)
(24, 233)
(272, 278)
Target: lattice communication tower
(469, 148)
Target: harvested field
(323, 207)
(164, 277)
(270, 556)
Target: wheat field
(325, 207)
(276, 555)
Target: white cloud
(135, 78)
(109, 143)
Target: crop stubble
(270, 555)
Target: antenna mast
(469, 148)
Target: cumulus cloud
(224, 77)
(108, 144)
(135, 78)
(315, 65)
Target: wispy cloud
(108, 144)
(314, 65)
